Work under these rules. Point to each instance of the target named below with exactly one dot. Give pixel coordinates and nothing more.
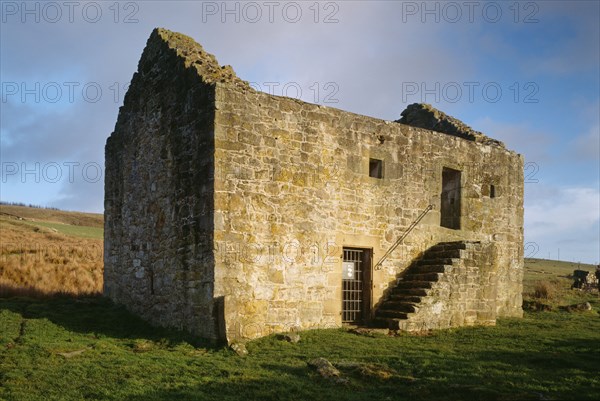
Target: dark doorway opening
(356, 286)
(450, 198)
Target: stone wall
(159, 194)
(292, 188)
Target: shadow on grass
(99, 316)
(10, 291)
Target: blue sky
(533, 67)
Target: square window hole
(375, 168)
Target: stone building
(234, 214)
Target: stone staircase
(426, 295)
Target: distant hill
(557, 266)
(53, 215)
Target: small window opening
(492, 191)
(375, 168)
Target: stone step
(450, 253)
(422, 276)
(440, 261)
(446, 246)
(421, 292)
(389, 313)
(432, 269)
(413, 284)
(400, 306)
(404, 298)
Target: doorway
(450, 199)
(356, 285)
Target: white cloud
(564, 217)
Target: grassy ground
(87, 348)
(555, 279)
(67, 229)
(542, 269)
(545, 355)
(73, 348)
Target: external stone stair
(414, 287)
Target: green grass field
(67, 229)
(543, 269)
(82, 225)
(115, 356)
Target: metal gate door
(356, 286)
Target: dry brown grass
(546, 289)
(37, 261)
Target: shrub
(545, 290)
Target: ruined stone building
(234, 213)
